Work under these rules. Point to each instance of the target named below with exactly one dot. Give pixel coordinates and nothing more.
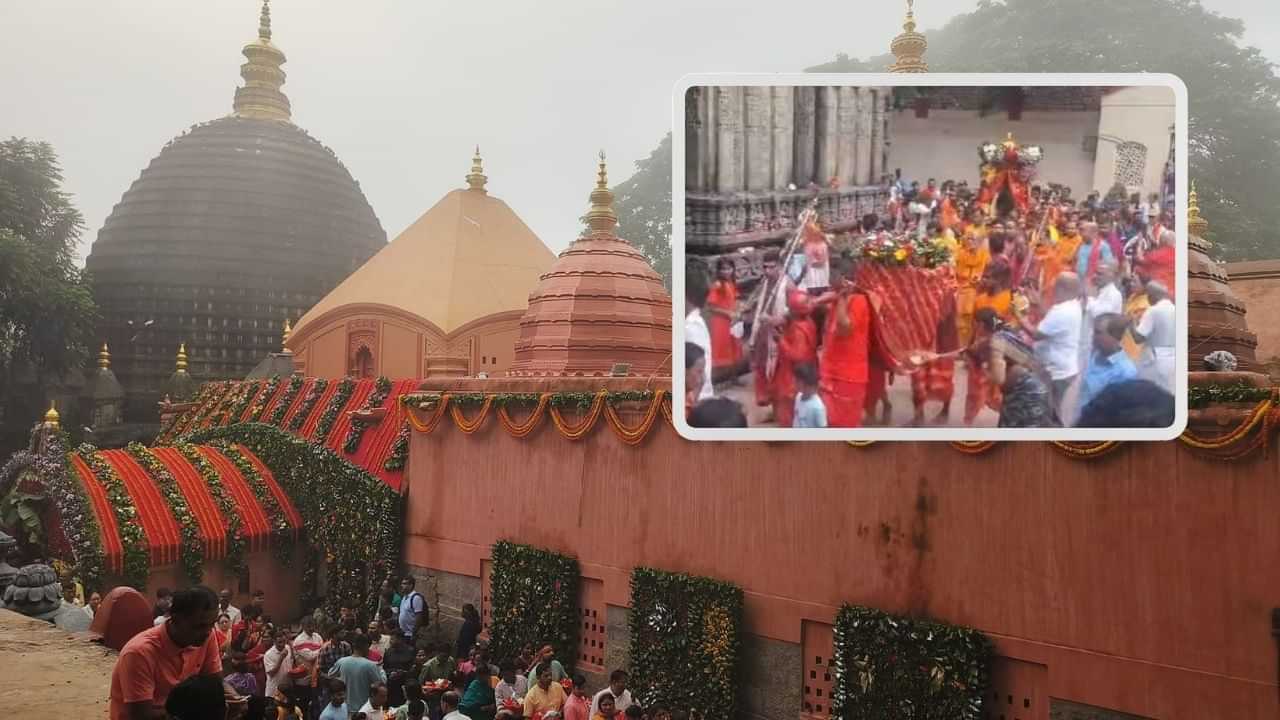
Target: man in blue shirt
(358, 674)
(1109, 363)
(413, 609)
(1084, 257)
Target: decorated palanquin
(1007, 171)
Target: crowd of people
(206, 659)
(1062, 315)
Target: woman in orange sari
(996, 294)
(970, 261)
(722, 309)
(1058, 256)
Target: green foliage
(1199, 396)
(79, 523)
(227, 506)
(47, 313)
(282, 534)
(255, 415)
(137, 549)
(330, 415)
(686, 643)
(1233, 91)
(349, 515)
(535, 600)
(399, 451)
(282, 407)
(308, 403)
(355, 433)
(888, 667)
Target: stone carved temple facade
(755, 155)
(600, 310)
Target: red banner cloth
(907, 302)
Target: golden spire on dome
(909, 46)
(51, 417)
(104, 357)
(181, 365)
(261, 97)
(1196, 224)
(284, 336)
(601, 219)
(476, 178)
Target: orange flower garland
(600, 405)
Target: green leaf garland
(349, 515)
(561, 400)
(263, 398)
(339, 400)
(308, 404)
(282, 533)
(226, 505)
(1199, 396)
(381, 389)
(282, 407)
(399, 451)
(192, 547)
(892, 666)
(137, 550)
(679, 622)
(535, 600)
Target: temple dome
(236, 225)
(1215, 314)
(600, 305)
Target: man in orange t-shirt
(157, 659)
(844, 363)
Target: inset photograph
(966, 258)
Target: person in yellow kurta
(1134, 308)
(971, 260)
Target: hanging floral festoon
(1007, 167)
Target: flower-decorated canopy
(1007, 167)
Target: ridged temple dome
(235, 226)
(909, 46)
(599, 306)
(1215, 314)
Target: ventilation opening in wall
(592, 636)
(1019, 690)
(818, 668)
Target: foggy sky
(402, 90)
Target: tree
(1233, 91)
(47, 313)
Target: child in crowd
(242, 680)
(809, 410)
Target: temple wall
(1257, 284)
(944, 145)
(1085, 574)
(265, 573)
(1143, 115)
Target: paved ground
(51, 672)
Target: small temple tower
(601, 310)
(909, 46)
(181, 386)
(102, 397)
(1215, 314)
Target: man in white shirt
(617, 686)
(277, 663)
(1107, 301)
(449, 706)
(1158, 332)
(695, 326)
(306, 652)
(1057, 338)
(225, 606)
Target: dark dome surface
(234, 226)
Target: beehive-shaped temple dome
(600, 307)
(1215, 314)
(235, 226)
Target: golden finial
(284, 336)
(181, 365)
(476, 178)
(909, 46)
(601, 219)
(51, 417)
(104, 357)
(1196, 224)
(261, 97)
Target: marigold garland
(470, 426)
(263, 399)
(399, 450)
(282, 533)
(192, 548)
(330, 415)
(226, 505)
(381, 389)
(1085, 451)
(308, 404)
(595, 405)
(282, 405)
(137, 549)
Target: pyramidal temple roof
(467, 257)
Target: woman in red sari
(722, 311)
(797, 345)
(1158, 262)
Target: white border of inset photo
(967, 434)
